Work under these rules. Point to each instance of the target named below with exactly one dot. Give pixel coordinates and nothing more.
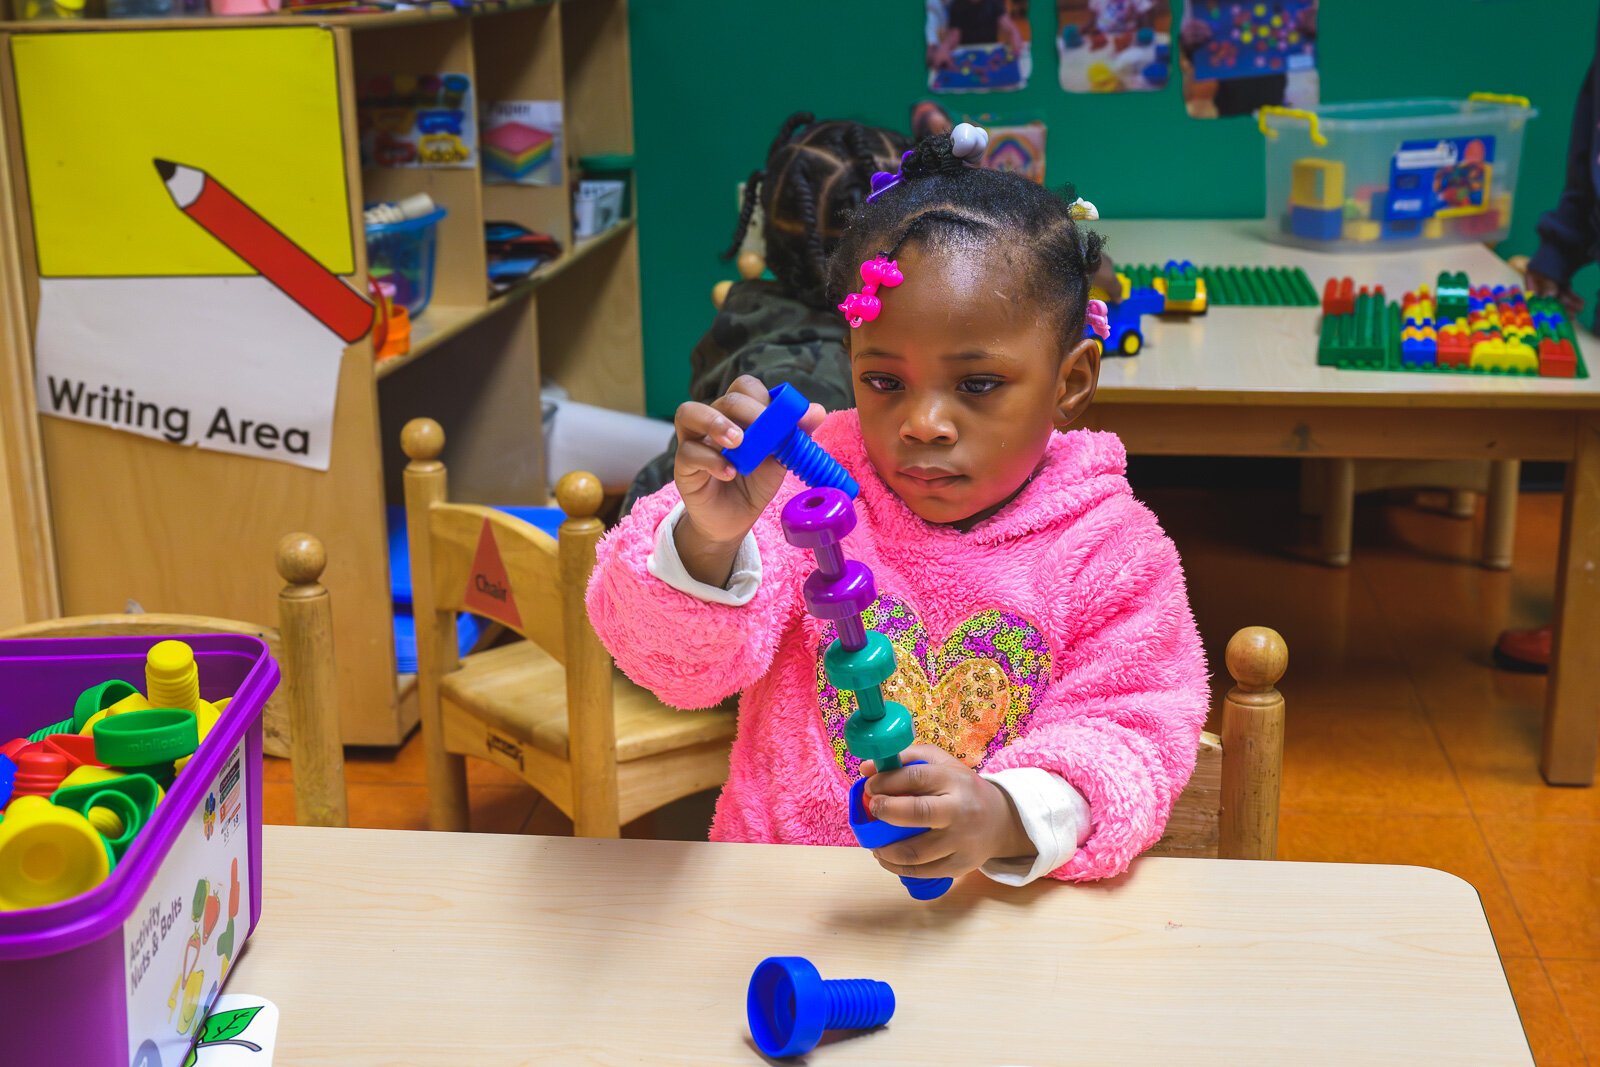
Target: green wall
(713, 79)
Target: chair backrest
(301, 718)
(1230, 806)
(470, 558)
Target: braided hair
(944, 203)
(816, 176)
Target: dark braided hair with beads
(943, 202)
(817, 175)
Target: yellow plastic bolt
(172, 678)
(47, 854)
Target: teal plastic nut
(864, 668)
(882, 739)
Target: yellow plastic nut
(127, 703)
(47, 854)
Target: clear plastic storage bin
(1393, 173)
(402, 253)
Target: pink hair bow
(1098, 320)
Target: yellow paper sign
(256, 108)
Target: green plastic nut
(132, 798)
(99, 698)
(144, 738)
(880, 739)
(865, 668)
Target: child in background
(1123, 16)
(1569, 240)
(785, 331)
(1042, 631)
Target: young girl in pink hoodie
(1041, 628)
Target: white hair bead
(968, 141)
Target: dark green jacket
(762, 331)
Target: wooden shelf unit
(477, 364)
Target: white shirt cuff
(665, 563)
(1054, 816)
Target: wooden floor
(1403, 745)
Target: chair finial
(579, 494)
(422, 439)
(1257, 657)
(301, 559)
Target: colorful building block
(1360, 339)
(1317, 183)
(1451, 295)
(1362, 230)
(1480, 225)
(1432, 229)
(1339, 296)
(1316, 224)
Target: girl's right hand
(720, 505)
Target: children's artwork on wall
(1240, 55)
(194, 249)
(1017, 148)
(522, 142)
(1114, 46)
(412, 120)
(977, 46)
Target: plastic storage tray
(403, 253)
(1393, 173)
(110, 976)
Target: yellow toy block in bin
(1362, 230)
(1432, 229)
(1317, 183)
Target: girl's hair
(945, 202)
(816, 177)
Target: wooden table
(1245, 382)
(386, 947)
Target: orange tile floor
(1403, 745)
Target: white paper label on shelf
(229, 364)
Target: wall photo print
(1114, 46)
(977, 46)
(1240, 55)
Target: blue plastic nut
(789, 1005)
(875, 833)
(776, 433)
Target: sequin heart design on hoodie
(971, 695)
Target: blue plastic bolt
(776, 432)
(789, 1005)
(8, 778)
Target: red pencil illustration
(266, 248)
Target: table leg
(1338, 511)
(1500, 514)
(1572, 702)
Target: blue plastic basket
(402, 253)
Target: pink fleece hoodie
(1056, 634)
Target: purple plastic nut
(818, 518)
(843, 597)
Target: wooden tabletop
(1237, 355)
(386, 947)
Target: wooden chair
(1230, 807)
(303, 705)
(552, 709)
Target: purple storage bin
(89, 981)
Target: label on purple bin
(185, 934)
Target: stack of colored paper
(514, 150)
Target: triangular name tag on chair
(488, 588)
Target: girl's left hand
(970, 820)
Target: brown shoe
(1526, 651)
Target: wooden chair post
(423, 440)
(591, 722)
(305, 624)
(1252, 745)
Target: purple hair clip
(966, 142)
(865, 305)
